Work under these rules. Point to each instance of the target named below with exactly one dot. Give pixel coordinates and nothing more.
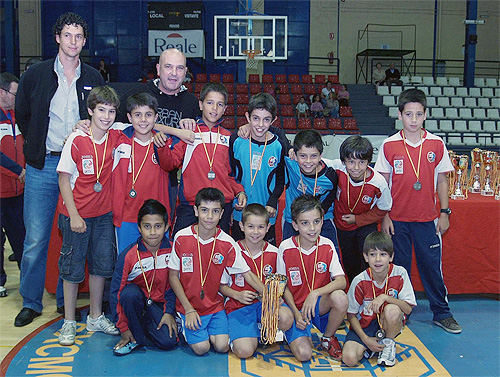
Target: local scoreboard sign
(176, 25)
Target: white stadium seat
(449, 91)
(483, 102)
(470, 102)
(474, 125)
(383, 90)
(441, 81)
(465, 113)
(437, 113)
(389, 101)
(428, 80)
(462, 91)
(491, 82)
(493, 114)
(454, 81)
(431, 125)
(479, 81)
(457, 102)
(460, 125)
(396, 90)
(475, 92)
(479, 113)
(443, 101)
(446, 125)
(490, 126)
(393, 112)
(451, 113)
(431, 101)
(436, 91)
(488, 92)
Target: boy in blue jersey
(258, 162)
(308, 174)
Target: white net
(252, 63)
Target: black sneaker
(78, 315)
(449, 324)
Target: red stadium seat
(307, 79)
(230, 98)
(319, 124)
(334, 124)
(253, 77)
(283, 88)
(198, 87)
(280, 79)
(290, 123)
(242, 99)
(241, 88)
(334, 79)
(336, 87)
(229, 87)
(189, 87)
(296, 98)
(201, 77)
(286, 111)
(229, 110)
(296, 89)
(268, 88)
(319, 79)
(310, 89)
(228, 78)
(285, 99)
(241, 121)
(304, 123)
(267, 78)
(350, 124)
(345, 111)
(214, 77)
(254, 88)
(294, 79)
(241, 110)
(228, 122)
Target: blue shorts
(244, 322)
(319, 321)
(211, 324)
(97, 246)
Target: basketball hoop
(252, 63)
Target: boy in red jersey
(139, 289)
(85, 218)
(242, 307)
(205, 163)
(201, 254)
(380, 299)
(315, 281)
(415, 162)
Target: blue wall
(118, 33)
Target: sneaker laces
(67, 327)
(106, 324)
(389, 345)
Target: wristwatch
(446, 210)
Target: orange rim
(251, 53)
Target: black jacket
(36, 89)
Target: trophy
(475, 174)
(497, 178)
(460, 162)
(451, 175)
(487, 158)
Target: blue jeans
(41, 193)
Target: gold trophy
(451, 175)
(487, 172)
(497, 178)
(460, 162)
(475, 174)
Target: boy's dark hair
(356, 147)
(209, 194)
(378, 241)
(152, 207)
(305, 203)
(7, 78)
(70, 18)
(255, 209)
(141, 99)
(411, 95)
(263, 101)
(213, 87)
(308, 139)
(103, 94)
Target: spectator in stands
(189, 76)
(302, 108)
(343, 96)
(378, 76)
(332, 106)
(325, 92)
(317, 107)
(31, 61)
(392, 76)
(103, 70)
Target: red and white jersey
(409, 204)
(262, 264)
(152, 181)
(185, 259)
(78, 159)
(317, 275)
(375, 192)
(195, 166)
(360, 292)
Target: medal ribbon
(360, 193)
(204, 278)
(416, 171)
(259, 272)
(315, 182)
(373, 288)
(134, 176)
(99, 171)
(210, 162)
(148, 287)
(304, 267)
(252, 177)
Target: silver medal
(97, 187)
(211, 175)
(380, 334)
(417, 186)
(149, 302)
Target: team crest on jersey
(431, 156)
(218, 258)
(303, 187)
(393, 292)
(239, 280)
(295, 278)
(224, 139)
(398, 166)
(88, 165)
(272, 162)
(366, 199)
(187, 264)
(167, 258)
(153, 159)
(366, 311)
(268, 269)
(321, 267)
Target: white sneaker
(388, 355)
(3, 291)
(102, 324)
(67, 333)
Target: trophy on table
(475, 174)
(497, 178)
(460, 162)
(451, 175)
(487, 158)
